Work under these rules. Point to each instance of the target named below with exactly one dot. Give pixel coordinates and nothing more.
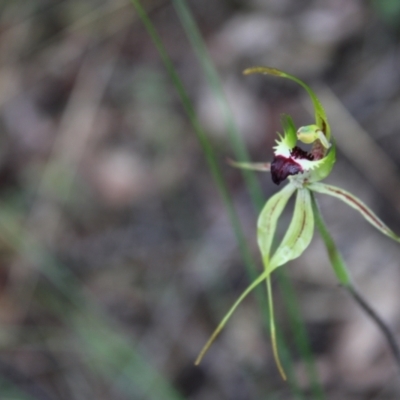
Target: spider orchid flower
(304, 171)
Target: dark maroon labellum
(282, 167)
(297, 152)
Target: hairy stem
(343, 276)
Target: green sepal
(267, 221)
(299, 233)
(263, 167)
(266, 229)
(355, 203)
(272, 329)
(320, 115)
(250, 288)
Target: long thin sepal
(355, 203)
(221, 325)
(266, 227)
(265, 167)
(320, 115)
(273, 330)
(297, 238)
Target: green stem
(361, 301)
(343, 276)
(337, 262)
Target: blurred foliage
(117, 257)
(389, 10)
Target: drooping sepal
(263, 167)
(249, 289)
(355, 203)
(266, 227)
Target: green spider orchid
(304, 170)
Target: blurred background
(117, 254)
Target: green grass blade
(201, 136)
(258, 199)
(300, 334)
(204, 58)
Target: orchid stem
(361, 301)
(343, 276)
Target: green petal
(320, 116)
(268, 219)
(299, 233)
(266, 228)
(289, 129)
(355, 203)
